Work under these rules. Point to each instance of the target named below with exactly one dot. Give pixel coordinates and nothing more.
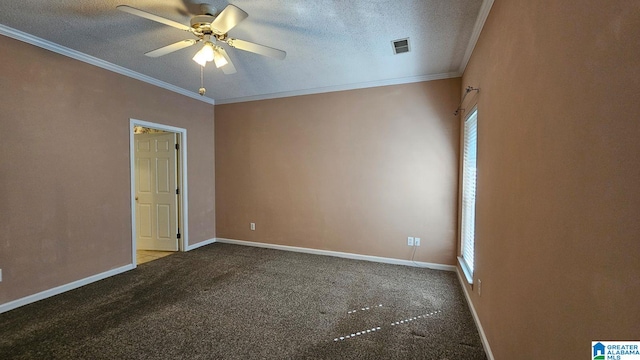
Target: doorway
(158, 190)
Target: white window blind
(469, 190)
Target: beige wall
(353, 171)
(64, 166)
(558, 207)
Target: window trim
(468, 272)
(465, 270)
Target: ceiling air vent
(400, 46)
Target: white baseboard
(199, 244)
(483, 336)
(78, 283)
(63, 288)
(340, 254)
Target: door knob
(136, 198)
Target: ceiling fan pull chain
(202, 90)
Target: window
(468, 216)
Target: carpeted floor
(234, 302)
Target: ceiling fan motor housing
(207, 9)
(201, 24)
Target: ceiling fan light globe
(219, 60)
(200, 59)
(207, 51)
(205, 54)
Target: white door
(155, 179)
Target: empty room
(413, 179)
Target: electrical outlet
(253, 226)
(479, 287)
(0, 275)
(410, 241)
(416, 241)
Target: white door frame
(183, 242)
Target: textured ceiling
(330, 44)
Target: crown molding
(77, 55)
(477, 29)
(354, 86)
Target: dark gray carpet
(234, 302)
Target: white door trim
(183, 242)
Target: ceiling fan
(211, 30)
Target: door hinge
(178, 235)
(177, 146)
(178, 191)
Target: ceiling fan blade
(228, 19)
(149, 16)
(257, 48)
(228, 69)
(170, 48)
